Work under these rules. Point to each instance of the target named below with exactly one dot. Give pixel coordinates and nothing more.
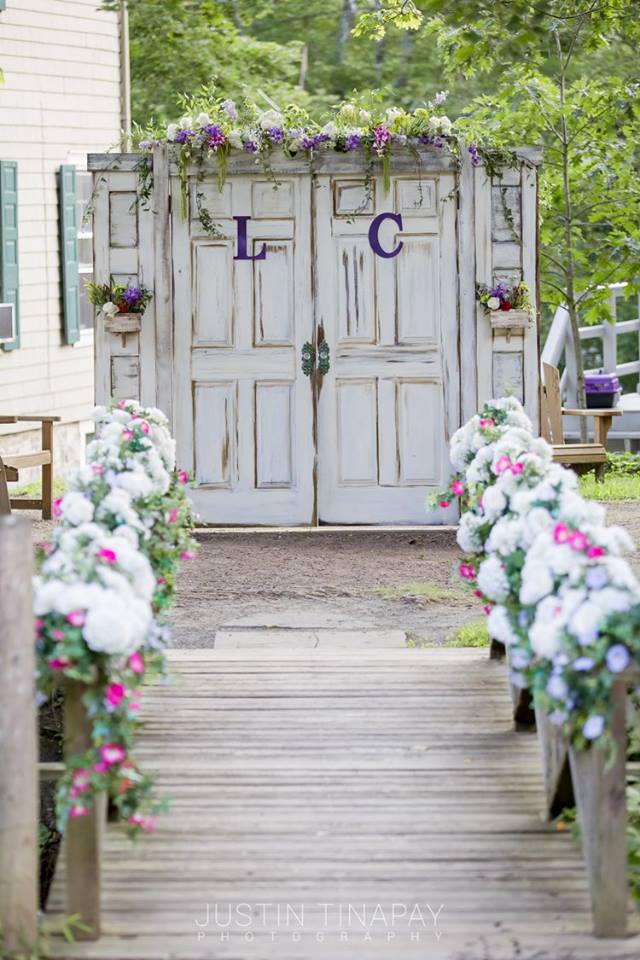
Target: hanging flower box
(122, 322)
(510, 319)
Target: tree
(555, 86)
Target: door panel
(243, 408)
(391, 325)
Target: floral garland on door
(106, 581)
(557, 589)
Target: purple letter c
(374, 230)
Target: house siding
(60, 101)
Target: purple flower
(183, 135)
(475, 156)
(587, 637)
(352, 142)
(132, 296)
(558, 717)
(517, 680)
(216, 136)
(618, 658)
(596, 578)
(519, 659)
(381, 137)
(593, 727)
(275, 134)
(251, 146)
(146, 144)
(583, 664)
(557, 688)
(229, 108)
(440, 97)
(309, 143)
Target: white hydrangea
(468, 536)
(494, 503)
(537, 581)
(499, 626)
(492, 579)
(117, 622)
(76, 508)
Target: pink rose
(444, 504)
(112, 753)
(187, 555)
(503, 464)
(561, 533)
(58, 663)
(78, 810)
(183, 477)
(579, 541)
(173, 515)
(594, 552)
(57, 634)
(109, 556)
(56, 508)
(516, 468)
(115, 694)
(487, 422)
(76, 618)
(457, 487)
(97, 468)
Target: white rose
(203, 120)
(493, 303)
(109, 308)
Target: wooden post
(18, 740)
(47, 470)
(558, 785)
(83, 835)
(600, 790)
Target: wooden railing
(594, 780)
(19, 794)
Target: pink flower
(457, 487)
(112, 753)
(39, 625)
(160, 581)
(594, 552)
(503, 464)
(58, 663)
(486, 609)
(146, 823)
(187, 555)
(115, 694)
(45, 546)
(109, 556)
(487, 422)
(173, 515)
(76, 618)
(477, 593)
(78, 810)
(516, 468)
(561, 533)
(444, 504)
(122, 403)
(57, 634)
(97, 468)
(144, 426)
(183, 477)
(101, 767)
(127, 434)
(81, 780)
(56, 508)
(136, 663)
(467, 571)
(579, 541)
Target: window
(9, 266)
(84, 188)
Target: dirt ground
(342, 580)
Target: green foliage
(471, 634)
(621, 480)
(422, 592)
(402, 14)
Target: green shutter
(70, 278)
(3, 4)
(9, 280)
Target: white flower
(468, 536)
(109, 309)
(116, 623)
(76, 508)
(186, 122)
(137, 484)
(499, 626)
(330, 129)
(493, 303)
(270, 118)
(492, 579)
(505, 536)
(537, 582)
(494, 503)
(172, 130)
(203, 120)
(544, 633)
(235, 139)
(364, 117)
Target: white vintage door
(243, 408)
(390, 400)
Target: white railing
(560, 341)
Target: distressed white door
(243, 408)
(390, 400)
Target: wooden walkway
(329, 804)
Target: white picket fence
(558, 348)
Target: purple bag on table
(602, 390)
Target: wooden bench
(579, 456)
(12, 463)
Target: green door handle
(308, 359)
(324, 358)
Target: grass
(34, 490)
(427, 592)
(471, 634)
(615, 487)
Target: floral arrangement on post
(118, 298)
(557, 591)
(214, 126)
(504, 297)
(107, 578)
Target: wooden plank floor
(329, 804)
